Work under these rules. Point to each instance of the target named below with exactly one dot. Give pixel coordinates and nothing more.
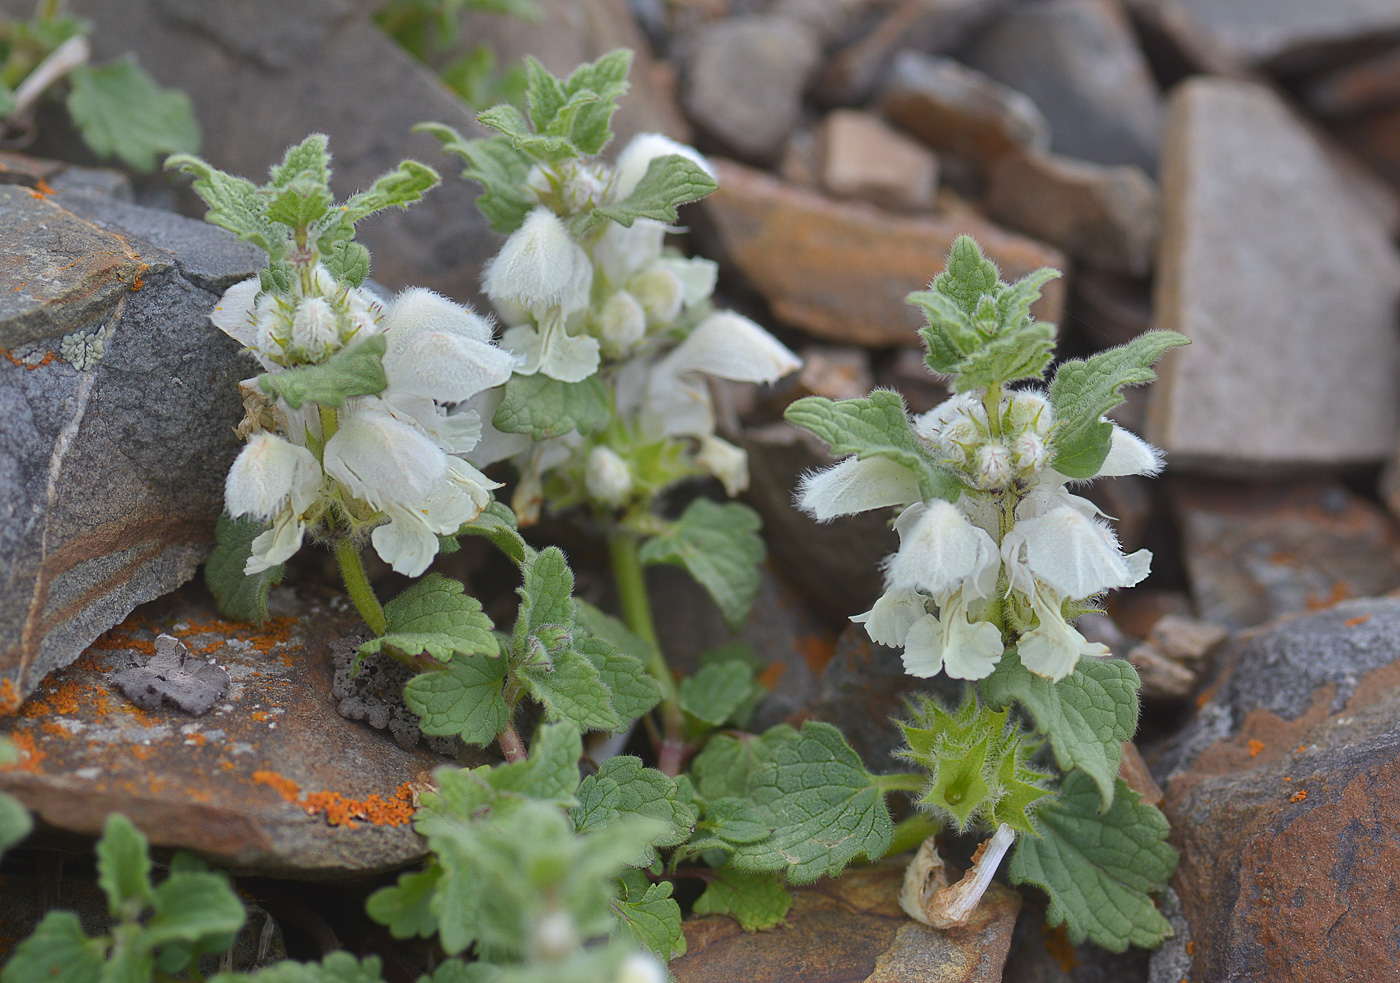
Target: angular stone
(1281, 797)
(272, 780)
(118, 402)
(852, 930)
(1105, 217)
(1172, 657)
(1254, 552)
(862, 157)
(1109, 309)
(1080, 64)
(835, 372)
(841, 270)
(955, 109)
(1264, 247)
(743, 82)
(1041, 954)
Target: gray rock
(1040, 954)
(1103, 216)
(743, 82)
(959, 110)
(1078, 61)
(863, 157)
(1108, 309)
(118, 402)
(1265, 251)
(171, 676)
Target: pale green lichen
(84, 348)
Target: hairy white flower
(1071, 553)
(382, 460)
(644, 148)
(540, 267)
(552, 351)
(275, 545)
(1053, 647)
(857, 485)
(730, 346)
(440, 350)
(726, 462)
(268, 474)
(941, 552)
(315, 328)
(896, 611)
(607, 476)
(951, 642)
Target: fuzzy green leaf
(301, 203)
(1099, 868)
(349, 262)
(571, 689)
(622, 787)
(543, 407)
(338, 967)
(508, 121)
(239, 596)
(669, 182)
(15, 821)
(729, 764)
(968, 276)
(546, 594)
(875, 426)
(653, 921)
(119, 109)
(436, 616)
(826, 809)
(634, 690)
(735, 820)
(464, 698)
(398, 188)
(755, 900)
(1087, 715)
(720, 547)
(123, 867)
(607, 77)
(196, 907)
(234, 203)
(308, 159)
(717, 691)
(406, 907)
(57, 952)
(1020, 354)
(545, 95)
(497, 524)
(498, 167)
(1083, 391)
(354, 371)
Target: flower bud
(726, 462)
(621, 324)
(1029, 411)
(555, 936)
(1029, 452)
(660, 293)
(540, 267)
(641, 967)
(315, 328)
(993, 466)
(267, 473)
(272, 328)
(607, 476)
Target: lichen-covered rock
(118, 402)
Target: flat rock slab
(271, 780)
(1284, 31)
(1282, 802)
(118, 403)
(1254, 552)
(1286, 287)
(841, 270)
(852, 930)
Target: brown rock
(835, 372)
(1172, 657)
(1375, 138)
(841, 270)
(271, 780)
(852, 930)
(1133, 770)
(1370, 84)
(1103, 216)
(905, 370)
(800, 164)
(956, 109)
(1109, 309)
(1254, 552)
(862, 157)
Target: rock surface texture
(1285, 286)
(1282, 32)
(117, 414)
(1282, 799)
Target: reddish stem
(511, 744)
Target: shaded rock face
(1282, 799)
(852, 930)
(118, 402)
(271, 780)
(1264, 252)
(1289, 32)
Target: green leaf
(1020, 354)
(1099, 868)
(300, 204)
(239, 596)
(406, 907)
(634, 690)
(123, 867)
(545, 95)
(1083, 391)
(508, 121)
(15, 821)
(607, 77)
(200, 908)
(550, 774)
(348, 262)
(826, 809)
(398, 188)
(308, 159)
(669, 182)
(463, 699)
(57, 952)
(438, 617)
(875, 426)
(570, 688)
(498, 167)
(1087, 715)
(119, 109)
(602, 625)
(729, 763)
(719, 545)
(497, 524)
(543, 407)
(736, 820)
(234, 203)
(623, 787)
(338, 967)
(755, 900)
(653, 921)
(354, 371)
(717, 691)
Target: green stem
(352, 571)
(910, 831)
(904, 781)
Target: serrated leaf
(464, 699)
(571, 689)
(234, 203)
(545, 95)
(755, 900)
(602, 625)
(508, 121)
(119, 109)
(239, 597)
(497, 524)
(949, 333)
(1083, 391)
(1021, 354)
(546, 593)
(736, 820)
(499, 168)
(123, 867)
(405, 908)
(728, 764)
(300, 204)
(623, 787)
(438, 617)
(717, 690)
(826, 809)
(652, 921)
(669, 182)
(306, 159)
(1087, 715)
(15, 821)
(633, 690)
(875, 426)
(337, 967)
(349, 262)
(550, 774)
(1014, 301)
(968, 275)
(357, 370)
(195, 907)
(543, 407)
(1099, 868)
(718, 544)
(57, 952)
(607, 77)
(398, 188)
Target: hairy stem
(912, 830)
(636, 611)
(352, 571)
(904, 781)
(511, 745)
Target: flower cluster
(392, 460)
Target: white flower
(730, 346)
(607, 476)
(641, 967)
(382, 460)
(268, 474)
(660, 293)
(857, 485)
(275, 545)
(540, 267)
(726, 462)
(941, 552)
(621, 323)
(621, 251)
(634, 160)
(697, 276)
(1071, 553)
(552, 351)
(315, 328)
(1053, 647)
(440, 350)
(963, 648)
(889, 621)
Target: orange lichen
(283, 786)
(341, 810)
(1299, 795)
(1190, 948)
(1057, 943)
(259, 715)
(769, 677)
(1255, 747)
(9, 696)
(55, 696)
(1360, 619)
(816, 651)
(1300, 748)
(29, 755)
(53, 729)
(197, 739)
(1340, 592)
